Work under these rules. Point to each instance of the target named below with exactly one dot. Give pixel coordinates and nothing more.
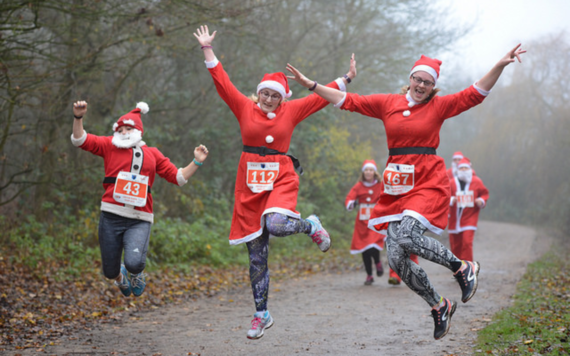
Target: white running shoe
(318, 233)
(260, 322)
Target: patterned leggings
(406, 237)
(278, 225)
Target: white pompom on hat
(369, 163)
(275, 81)
(133, 118)
(428, 65)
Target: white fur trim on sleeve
(180, 178)
(79, 141)
(212, 64)
(341, 85)
(339, 104)
(452, 201)
(350, 205)
(484, 203)
(481, 91)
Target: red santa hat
(465, 162)
(457, 155)
(369, 163)
(133, 118)
(276, 81)
(428, 65)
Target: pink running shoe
(318, 233)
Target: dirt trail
(328, 314)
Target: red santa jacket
(121, 160)
(365, 195)
(463, 211)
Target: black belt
(113, 180)
(411, 151)
(264, 151)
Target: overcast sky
(498, 26)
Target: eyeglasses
(265, 95)
(419, 80)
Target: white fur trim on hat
(457, 156)
(369, 165)
(460, 165)
(273, 85)
(429, 70)
(143, 106)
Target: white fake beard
(127, 141)
(465, 176)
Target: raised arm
(203, 36)
(489, 80)
(79, 110)
(329, 94)
(200, 155)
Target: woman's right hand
(79, 108)
(203, 36)
(352, 71)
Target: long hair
(405, 89)
(376, 176)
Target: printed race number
(261, 175)
(131, 189)
(398, 178)
(465, 199)
(364, 211)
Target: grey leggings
(406, 237)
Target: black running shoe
(467, 278)
(442, 318)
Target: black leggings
(277, 225)
(368, 256)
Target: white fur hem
(339, 104)
(212, 64)
(256, 234)
(79, 141)
(341, 85)
(376, 246)
(398, 217)
(461, 229)
(481, 91)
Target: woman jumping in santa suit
(416, 188)
(126, 206)
(266, 183)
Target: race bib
(465, 199)
(364, 211)
(261, 175)
(131, 188)
(398, 178)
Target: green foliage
(539, 321)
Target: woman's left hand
(352, 71)
(299, 77)
(201, 153)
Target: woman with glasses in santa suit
(266, 183)
(416, 188)
(126, 206)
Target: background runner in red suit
(364, 195)
(451, 171)
(126, 206)
(468, 196)
(416, 188)
(266, 183)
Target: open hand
(299, 77)
(352, 71)
(79, 108)
(511, 55)
(203, 36)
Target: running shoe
(125, 285)
(369, 280)
(138, 283)
(379, 269)
(467, 278)
(394, 281)
(260, 322)
(442, 318)
(318, 233)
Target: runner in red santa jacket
(266, 183)
(416, 188)
(126, 206)
(468, 196)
